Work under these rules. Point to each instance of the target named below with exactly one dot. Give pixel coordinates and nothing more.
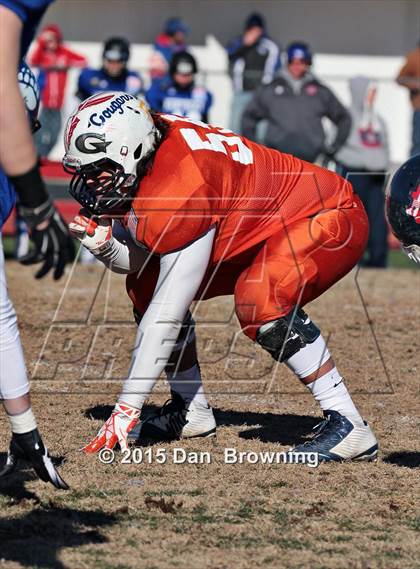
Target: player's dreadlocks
(145, 165)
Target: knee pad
(287, 335)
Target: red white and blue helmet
(403, 206)
(29, 89)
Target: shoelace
(318, 430)
(169, 405)
(175, 415)
(321, 426)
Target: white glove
(94, 233)
(122, 420)
(412, 252)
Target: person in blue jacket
(53, 246)
(178, 94)
(113, 75)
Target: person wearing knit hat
(254, 59)
(179, 94)
(293, 106)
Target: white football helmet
(105, 139)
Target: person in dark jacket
(178, 94)
(254, 59)
(294, 104)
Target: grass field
(217, 516)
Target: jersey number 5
(223, 141)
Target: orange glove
(122, 420)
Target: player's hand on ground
(94, 233)
(53, 244)
(122, 420)
(30, 448)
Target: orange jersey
(204, 176)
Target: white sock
(309, 359)
(188, 384)
(23, 423)
(332, 395)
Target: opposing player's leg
(295, 267)
(26, 443)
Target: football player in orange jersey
(189, 212)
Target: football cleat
(178, 419)
(30, 448)
(340, 438)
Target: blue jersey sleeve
(30, 12)
(25, 9)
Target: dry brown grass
(220, 516)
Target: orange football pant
(292, 267)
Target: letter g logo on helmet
(92, 143)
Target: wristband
(33, 216)
(30, 188)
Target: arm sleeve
(181, 274)
(76, 59)
(35, 56)
(338, 114)
(253, 114)
(272, 63)
(123, 256)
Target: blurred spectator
(178, 94)
(253, 60)
(54, 61)
(409, 77)
(171, 41)
(113, 75)
(294, 104)
(364, 160)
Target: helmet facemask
(101, 187)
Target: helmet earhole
(137, 152)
